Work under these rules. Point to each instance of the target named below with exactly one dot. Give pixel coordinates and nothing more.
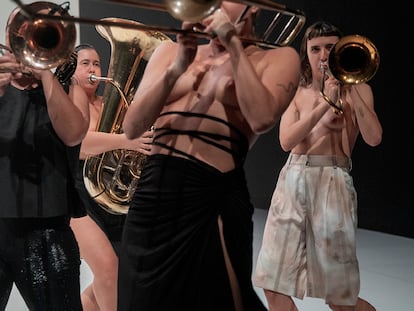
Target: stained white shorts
(308, 245)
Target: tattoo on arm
(289, 88)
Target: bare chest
(94, 113)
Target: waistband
(320, 160)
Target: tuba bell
(111, 177)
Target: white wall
(7, 6)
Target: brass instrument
(111, 177)
(282, 30)
(192, 11)
(4, 69)
(39, 42)
(354, 59)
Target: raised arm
(265, 81)
(361, 99)
(165, 66)
(69, 113)
(295, 126)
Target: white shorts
(308, 242)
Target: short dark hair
(317, 29)
(84, 46)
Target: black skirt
(171, 257)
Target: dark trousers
(41, 256)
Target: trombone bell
(354, 59)
(192, 11)
(41, 43)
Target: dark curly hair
(317, 29)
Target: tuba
(111, 177)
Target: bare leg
(279, 302)
(232, 276)
(88, 299)
(362, 305)
(97, 251)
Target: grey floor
(386, 266)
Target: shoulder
(302, 96)
(363, 87)
(285, 52)
(163, 51)
(282, 58)
(360, 89)
(362, 92)
(165, 47)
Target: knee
(279, 302)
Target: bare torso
(206, 88)
(95, 106)
(333, 134)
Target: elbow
(72, 141)
(263, 124)
(259, 128)
(127, 130)
(286, 143)
(375, 140)
(285, 147)
(75, 137)
(128, 134)
(130, 127)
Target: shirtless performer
(309, 237)
(188, 236)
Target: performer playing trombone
(309, 237)
(187, 241)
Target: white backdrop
(7, 6)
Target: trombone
(354, 59)
(189, 10)
(39, 42)
(25, 72)
(195, 11)
(102, 174)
